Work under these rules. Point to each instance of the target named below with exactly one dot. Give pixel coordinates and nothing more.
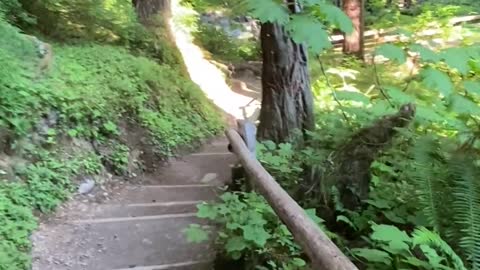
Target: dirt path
(141, 226)
(207, 75)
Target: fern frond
(466, 206)
(423, 236)
(429, 181)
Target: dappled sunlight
(210, 79)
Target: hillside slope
(93, 113)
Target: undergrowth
(106, 73)
(422, 210)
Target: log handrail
(323, 253)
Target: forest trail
(210, 78)
(141, 225)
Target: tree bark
(146, 8)
(353, 43)
(287, 101)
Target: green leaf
(72, 132)
(397, 240)
(270, 145)
(352, 96)
(457, 58)
(417, 263)
(256, 234)
(426, 54)
(379, 203)
(462, 105)
(285, 150)
(373, 255)
(301, 29)
(312, 214)
(195, 234)
(392, 216)
(392, 52)
(432, 255)
(428, 114)
(337, 17)
(472, 87)
(347, 221)
(298, 262)
(110, 127)
(236, 243)
(398, 97)
(437, 80)
(380, 108)
(206, 211)
(268, 11)
(229, 197)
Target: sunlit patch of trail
(205, 74)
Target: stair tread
(119, 245)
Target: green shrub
(46, 185)
(220, 45)
(14, 12)
(249, 230)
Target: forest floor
(140, 224)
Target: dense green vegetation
(108, 70)
(423, 205)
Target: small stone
(209, 177)
(147, 241)
(86, 187)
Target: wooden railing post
(323, 253)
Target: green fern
(423, 236)
(430, 183)
(466, 205)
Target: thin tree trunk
(353, 43)
(287, 102)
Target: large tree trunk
(287, 102)
(147, 8)
(353, 43)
